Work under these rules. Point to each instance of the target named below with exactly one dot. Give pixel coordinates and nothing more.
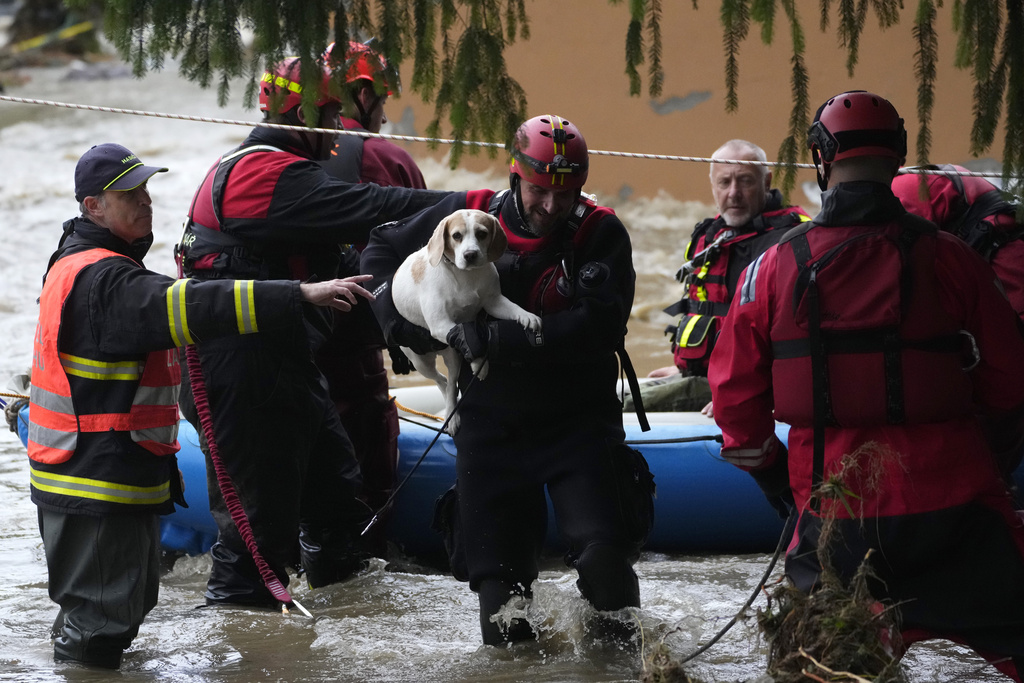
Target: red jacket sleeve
(740, 372)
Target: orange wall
(573, 65)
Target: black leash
(391, 499)
(787, 533)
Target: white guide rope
(413, 138)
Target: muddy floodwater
(391, 623)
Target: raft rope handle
(227, 487)
(628, 442)
(440, 431)
(787, 532)
(406, 409)
(448, 141)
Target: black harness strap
(888, 340)
(819, 369)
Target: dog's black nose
(471, 255)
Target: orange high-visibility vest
(54, 419)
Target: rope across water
(444, 141)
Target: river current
(391, 623)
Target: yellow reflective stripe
(96, 369)
(689, 251)
(684, 338)
(95, 489)
(556, 122)
(119, 176)
(176, 317)
(245, 307)
(702, 292)
(282, 82)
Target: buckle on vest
(975, 353)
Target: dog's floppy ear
(499, 240)
(439, 240)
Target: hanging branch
(736, 23)
(794, 145)
(925, 58)
(468, 79)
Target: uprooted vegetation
(839, 632)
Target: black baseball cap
(110, 167)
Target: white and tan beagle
(450, 281)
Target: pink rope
(227, 488)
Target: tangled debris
(839, 632)
(661, 666)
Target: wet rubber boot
(234, 580)
(607, 579)
(608, 582)
(328, 558)
(493, 596)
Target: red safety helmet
(550, 151)
(281, 85)
(853, 124)
(364, 63)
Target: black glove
(404, 333)
(774, 483)
(474, 340)
(400, 363)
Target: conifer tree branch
(794, 146)
(735, 23)
(481, 97)
(925, 58)
(1013, 54)
(655, 73)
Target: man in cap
(879, 339)
(103, 418)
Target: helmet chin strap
(514, 185)
(302, 141)
(365, 113)
(821, 169)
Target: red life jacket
(546, 263)
(211, 248)
(706, 278)
(969, 207)
(56, 418)
(859, 335)
(894, 356)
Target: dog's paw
(453, 424)
(480, 367)
(529, 321)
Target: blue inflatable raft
(703, 504)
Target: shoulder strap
(346, 162)
(799, 230)
(634, 386)
(494, 208)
